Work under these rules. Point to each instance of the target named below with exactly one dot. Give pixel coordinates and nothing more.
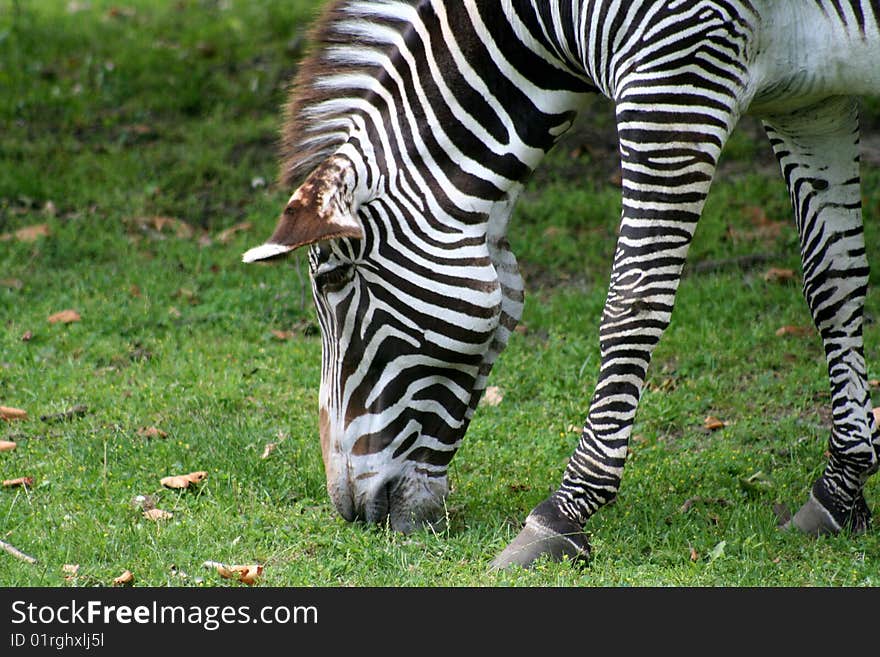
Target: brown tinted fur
(297, 159)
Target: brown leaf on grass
(124, 579)
(70, 570)
(151, 432)
(282, 335)
(712, 423)
(694, 555)
(134, 291)
(26, 482)
(155, 514)
(174, 312)
(188, 295)
(27, 336)
(493, 396)
(184, 481)
(27, 234)
(180, 228)
(764, 229)
(7, 445)
(225, 236)
(144, 502)
(270, 447)
(141, 130)
(245, 574)
(11, 283)
(874, 383)
(777, 275)
(64, 317)
(793, 331)
(9, 413)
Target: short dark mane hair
(308, 136)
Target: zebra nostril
(378, 505)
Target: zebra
(408, 135)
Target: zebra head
(412, 315)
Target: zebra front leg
(818, 151)
(667, 170)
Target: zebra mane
(314, 115)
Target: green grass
(111, 117)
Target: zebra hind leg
(818, 152)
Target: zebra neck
(512, 289)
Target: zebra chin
(406, 502)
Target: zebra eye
(333, 280)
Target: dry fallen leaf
(27, 336)
(764, 228)
(245, 574)
(27, 482)
(225, 236)
(11, 283)
(270, 447)
(174, 312)
(188, 295)
(64, 317)
(157, 514)
(694, 555)
(125, 578)
(493, 396)
(777, 275)
(183, 481)
(27, 234)
(283, 335)
(876, 413)
(144, 502)
(8, 413)
(181, 229)
(792, 330)
(712, 423)
(151, 432)
(7, 445)
(70, 569)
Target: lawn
(137, 163)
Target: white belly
(805, 55)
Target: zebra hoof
(537, 539)
(813, 519)
(816, 519)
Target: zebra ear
(321, 209)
